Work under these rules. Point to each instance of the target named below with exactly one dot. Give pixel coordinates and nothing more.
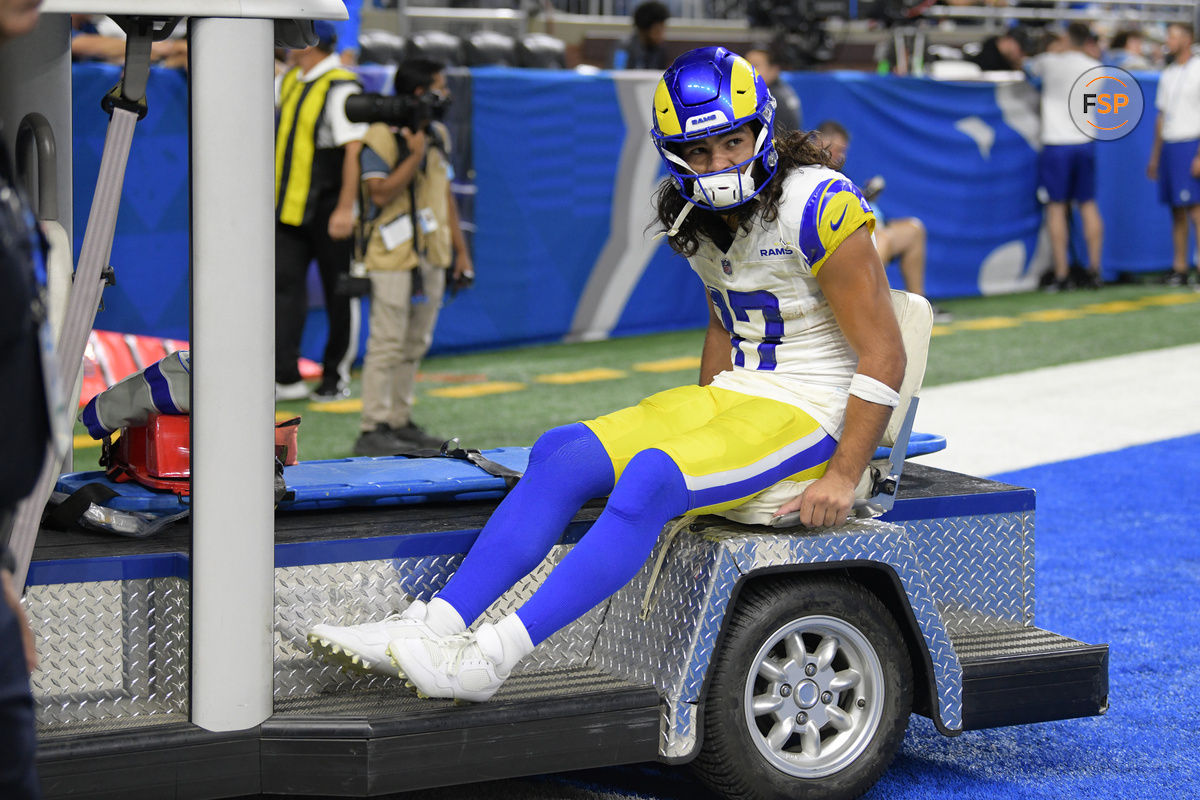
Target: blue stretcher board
(370, 482)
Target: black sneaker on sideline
(1094, 281)
(941, 315)
(1176, 279)
(417, 438)
(382, 441)
(1057, 286)
(327, 392)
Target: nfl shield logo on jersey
(726, 267)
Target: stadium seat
(541, 51)
(490, 49)
(438, 45)
(380, 47)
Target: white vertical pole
(233, 313)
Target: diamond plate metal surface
(883, 543)
(523, 687)
(672, 647)
(657, 648)
(362, 591)
(113, 650)
(1011, 641)
(980, 568)
(109, 650)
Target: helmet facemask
(726, 188)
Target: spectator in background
(769, 61)
(643, 49)
(1067, 163)
(1126, 50)
(902, 239)
(316, 180)
(1175, 156)
(415, 238)
(997, 53)
(98, 38)
(27, 429)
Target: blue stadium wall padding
(545, 149)
(365, 482)
(150, 251)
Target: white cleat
(469, 666)
(363, 647)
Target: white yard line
(1010, 422)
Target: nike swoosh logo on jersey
(833, 226)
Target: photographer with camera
(413, 239)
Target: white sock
(513, 641)
(441, 618)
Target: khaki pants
(400, 334)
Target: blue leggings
(567, 467)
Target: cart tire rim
(814, 696)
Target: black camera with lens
(414, 112)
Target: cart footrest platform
(368, 743)
(1015, 676)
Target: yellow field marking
(1170, 299)
(986, 324)
(280, 416)
(351, 405)
(581, 376)
(1113, 307)
(941, 330)
(451, 377)
(477, 389)
(669, 364)
(83, 441)
(1052, 315)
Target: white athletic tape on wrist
(867, 388)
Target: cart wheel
(810, 693)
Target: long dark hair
(795, 149)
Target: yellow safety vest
(300, 108)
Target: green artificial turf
(959, 351)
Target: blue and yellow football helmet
(706, 92)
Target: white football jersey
(786, 343)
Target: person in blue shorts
(799, 374)
(1175, 156)
(1067, 163)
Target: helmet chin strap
(745, 184)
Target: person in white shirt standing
(316, 183)
(1067, 163)
(1175, 157)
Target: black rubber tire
(729, 761)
